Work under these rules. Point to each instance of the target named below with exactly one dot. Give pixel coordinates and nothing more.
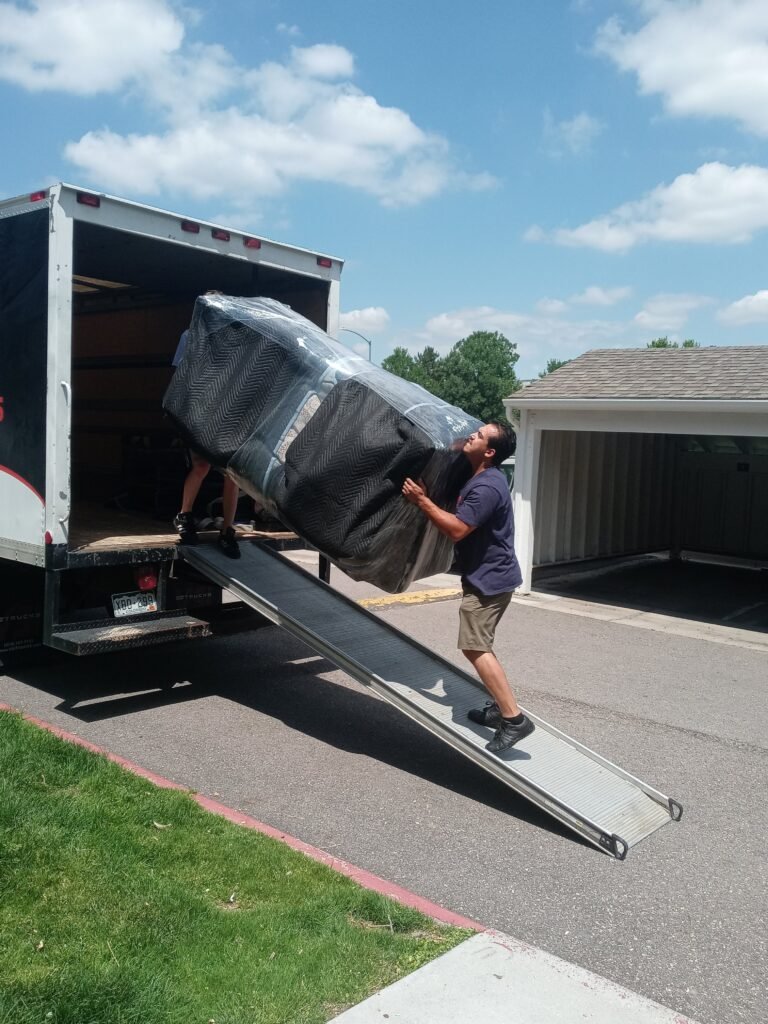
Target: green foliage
(476, 375)
(401, 363)
(424, 368)
(124, 903)
(552, 365)
(429, 369)
(479, 372)
(666, 343)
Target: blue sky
(574, 173)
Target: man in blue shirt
(483, 531)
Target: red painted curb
(360, 875)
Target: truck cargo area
(96, 293)
(132, 298)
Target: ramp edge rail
(504, 771)
(673, 808)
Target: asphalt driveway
(263, 724)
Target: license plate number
(139, 603)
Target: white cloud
(535, 233)
(183, 85)
(669, 312)
(752, 309)
(551, 307)
(278, 90)
(542, 335)
(445, 329)
(323, 61)
(223, 130)
(706, 58)
(594, 295)
(575, 136)
(85, 46)
(358, 120)
(370, 320)
(716, 203)
(538, 337)
(229, 152)
(288, 30)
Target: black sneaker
(508, 734)
(228, 542)
(185, 526)
(489, 715)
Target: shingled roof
(717, 373)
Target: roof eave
(748, 405)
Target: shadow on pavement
(277, 676)
(719, 594)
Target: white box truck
(94, 294)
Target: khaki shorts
(478, 618)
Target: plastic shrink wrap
(320, 436)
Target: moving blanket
(320, 436)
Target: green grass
(122, 903)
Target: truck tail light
(191, 226)
(146, 578)
(219, 234)
(88, 199)
(324, 261)
(35, 197)
(252, 243)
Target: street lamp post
(366, 340)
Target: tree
(552, 365)
(478, 373)
(666, 343)
(429, 368)
(424, 368)
(401, 363)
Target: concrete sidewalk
(494, 979)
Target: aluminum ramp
(595, 798)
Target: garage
(629, 452)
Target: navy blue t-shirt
(486, 558)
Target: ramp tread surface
(439, 694)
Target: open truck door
(94, 294)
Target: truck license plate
(138, 603)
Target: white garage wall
(603, 493)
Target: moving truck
(94, 294)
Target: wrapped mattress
(320, 436)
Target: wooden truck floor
(96, 528)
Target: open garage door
(628, 452)
(721, 490)
(612, 494)
(668, 524)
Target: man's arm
(447, 523)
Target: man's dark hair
(504, 443)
